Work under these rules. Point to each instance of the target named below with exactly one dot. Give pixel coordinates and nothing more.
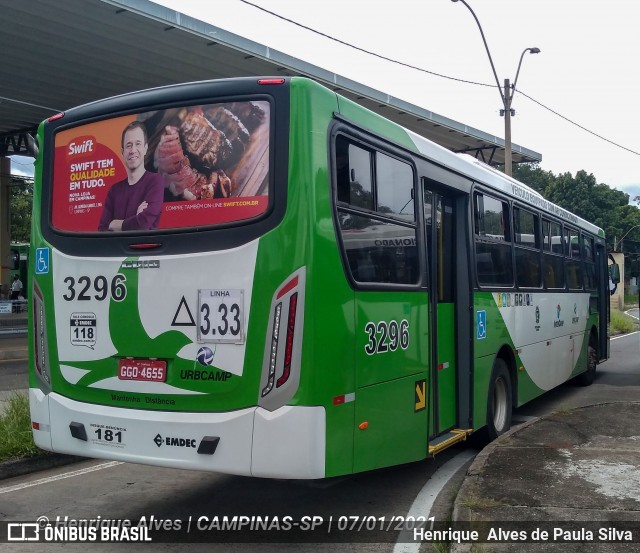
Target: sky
(587, 70)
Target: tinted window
(493, 263)
(377, 248)
(395, 187)
(574, 274)
(528, 268)
(379, 251)
(492, 218)
(493, 241)
(553, 271)
(552, 236)
(587, 249)
(525, 225)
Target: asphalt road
(13, 375)
(112, 490)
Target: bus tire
(499, 400)
(587, 377)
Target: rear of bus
(177, 339)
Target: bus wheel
(499, 401)
(587, 377)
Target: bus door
(439, 209)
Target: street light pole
(623, 237)
(506, 96)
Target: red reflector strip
(144, 246)
(291, 323)
(288, 287)
(41, 427)
(339, 400)
(270, 81)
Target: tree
(596, 202)
(21, 200)
(533, 176)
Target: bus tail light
(273, 352)
(288, 348)
(40, 349)
(281, 364)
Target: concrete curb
(476, 470)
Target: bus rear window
(167, 169)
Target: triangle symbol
(183, 316)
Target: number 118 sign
(221, 316)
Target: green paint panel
(446, 377)
(395, 432)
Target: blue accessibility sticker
(42, 261)
(481, 325)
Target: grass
(474, 502)
(621, 323)
(16, 440)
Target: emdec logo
(174, 442)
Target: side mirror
(614, 273)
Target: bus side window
(493, 241)
(376, 214)
(354, 176)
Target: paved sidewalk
(13, 346)
(576, 470)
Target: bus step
(447, 440)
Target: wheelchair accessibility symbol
(481, 325)
(42, 261)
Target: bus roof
(484, 174)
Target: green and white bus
(290, 286)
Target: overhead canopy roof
(56, 55)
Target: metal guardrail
(12, 306)
(13, 317)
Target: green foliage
(16, 440)
(596, 202)
(21, 199)
(621, 323)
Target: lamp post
(506, 96)
(622, 239)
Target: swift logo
(81, 146)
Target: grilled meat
(206, 146)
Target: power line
(422, 70)
(30, 104)
(369, 52)
(577, 124)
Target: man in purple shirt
(134, 203)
